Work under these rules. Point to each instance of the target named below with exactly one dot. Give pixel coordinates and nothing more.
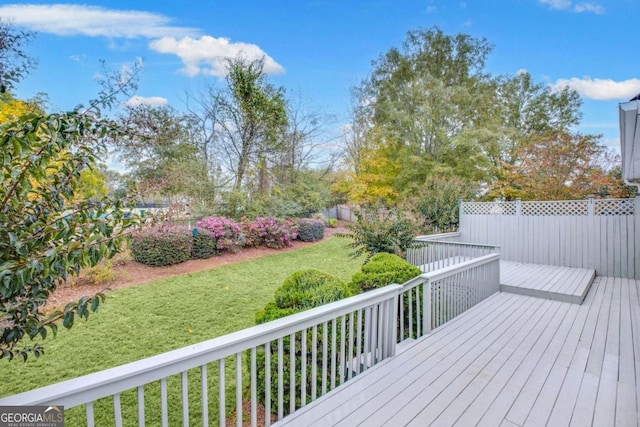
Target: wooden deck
(546, 281)
(512, 360)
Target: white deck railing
(436, 297)
(434, 253)
(341, 331)
(293, 360)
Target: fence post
(518, 206)
(591, 209)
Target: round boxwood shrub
(204, 244)
(384, 269)
(162, 245)
(310, 230)
(300, 291)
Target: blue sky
(322, 48)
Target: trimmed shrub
(269, 232)
(228, 233)
(205, 244)
(333, 222)
(300, 291)
(310, 230)
(162, 245)
(384, 269)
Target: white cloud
(154, 101)
(600, 89)
(574, 7)
(522, 71)
(93, 21)
(207, 55)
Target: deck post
(518, 207)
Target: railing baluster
(141, 406)
(90, 418)
(367, 338)
(280, 379)
(239, 389)
(343, 328)
(358, 340)
(254, 391)
(303, 368)
(314, 362)
(164, 411)
(267, 384)
(292, 373)
(204, 386)
(350, 357)
(418, 332)
(325, 347)
(222, 401)
(117, 410)
(185, 399)
(410, 313)
(334, 333)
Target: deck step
(565, 284)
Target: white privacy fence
(280, 365)
(596, 233)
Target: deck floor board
(510, 360)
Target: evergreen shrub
(383, 269)
(310, 230)
(162, 245)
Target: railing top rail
(448, 271)
(115, 380)
(446, 242)
(428, 237)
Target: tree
(15, 64)
(248, 119)
(44, 236)
(423, 106)
(160, 152)
(556, 166)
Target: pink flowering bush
(269, 232)
(227, 233)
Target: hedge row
(167, 245)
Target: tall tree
(249, 119)
(15, 63)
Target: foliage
(301, 291)
(15, 64)
(162, 245)
(310, 230)
(205, 244)
(384, 269)
(99, 274)
(333, 222)
(557, 166)
(228, 233)
(375, 232)
(44, 237)
(437, 201)
(269, 232)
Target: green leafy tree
(15, 63)
(44, 236)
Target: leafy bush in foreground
(162, 245)
(205, 244)
(384, 269)
(300, 291)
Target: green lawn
(149, 319)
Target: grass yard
(146, 320)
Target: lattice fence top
(601, 207)
(556, 208)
